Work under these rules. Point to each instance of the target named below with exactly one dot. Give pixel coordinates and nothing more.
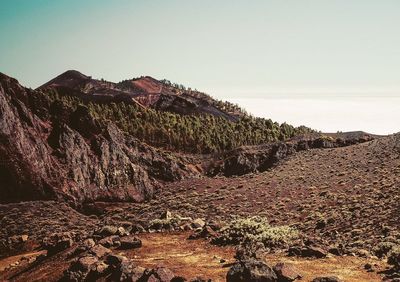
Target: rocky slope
(336, 194)
(145, 91)
(345, 196)
(251, 159)
(72, 156)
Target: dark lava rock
(57, 242)
(161, 274)
(251, 271)
(199, 279)
(312, 251)
(115, 260)
(107, 230)
(337, 251)
(99, 251)
(308, 251)
(206, 232)
(110, 241)
(128, 271)
(327, 279)
(286, 272)
(82, 269)
(130, 242)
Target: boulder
(115, 260)
(167, 215)
(99, 251)
(58, 242)
(327, 279)
(17, 239)
(80, 269)
(107, 230)
(312, 251)
(110, 241)
(286, 272)
(308, 251)
(162, 274)
(128, 271)
(122, 231)
(130, 242)
(198, 223)
(138, 228)
(251, 271)
(206, 232)
(88, 243)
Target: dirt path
(16, 260)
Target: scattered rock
(206, 232)
(107, 230)
(363, 253)
(17, 239)
(308, 251)
(251, 271)
(167, 215)
(161, 274)
(138, 228)
(80, 269)
(286, 272)
(198, 223)
(130, 242)
(58, 242)
(327, 279)
(337, 251)
(115, 260)
(99, 251)
(110, 241)
(128, 271)
(312, 251)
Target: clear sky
(230, 49)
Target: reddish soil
(197, 258)
(189, 258)
(354, 189)
(148, 84)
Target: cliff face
(252, 159)
(74, 157)
(26, 163)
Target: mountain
(90, 170)
(72, 140)
(163, 114)
(71, 156)
(144, 91)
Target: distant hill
(76, 139)
(144, 91)
(165, 114)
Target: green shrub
(394, 257)
(163, 223)
(188, 133)
(383, 248)
(256, 229)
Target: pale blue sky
(227, 48)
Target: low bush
(254, 230)
(383, 248)
(394, 257)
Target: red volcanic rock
(286, 272)
(47, 152)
